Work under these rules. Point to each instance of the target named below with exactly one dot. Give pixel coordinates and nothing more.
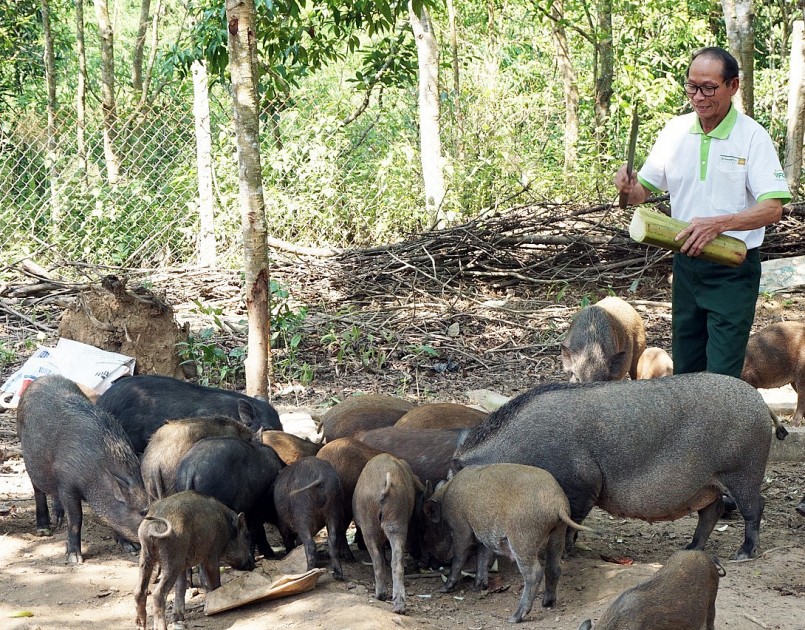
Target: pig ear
(247, 415)
(428, 490)
(433, 510)
(240, 521)
(567, 359)
(616, 364)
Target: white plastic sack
(87, 365)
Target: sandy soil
(766, 592)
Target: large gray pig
(649, 449)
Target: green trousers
(713, 307)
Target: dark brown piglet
(288, 446)
(362, 413)
(510, 509)
(308, 496)
(427, 451)
(348, 456)
(441, 416)
(387, 497)
(680, 596)
(775, 357)
(181, 531)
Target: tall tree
(81, 90)
(108, 104)
(739, 20)
(139, 46)
(795, 123)
(570, 88)
(201, 116)
(50, 79)
(429, 124)
(603, 64)
(240, 15)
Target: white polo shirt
(723, 172)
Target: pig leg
(310, 548)
(483, 556)
(333, 547)
(211, 573)
(178, 596)
(462, 545)
(141, 594)
(752, 511)
(397, 541)
(532, 576)
(375, 546)
(708, 517)
(257, 534)
(74, 520)
(550, 563)
(164, 585)
(58, 511)
(42, 513)
(799, 387)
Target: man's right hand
(635, 191)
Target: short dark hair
(729, 65)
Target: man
(723, 175)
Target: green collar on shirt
(722, 132)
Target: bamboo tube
(654, 228)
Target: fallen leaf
(625, 560)
(496, 585)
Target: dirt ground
(765, 592)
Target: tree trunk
(108, 92)
(796, 111)
(570, 87)
(52, 145)
(139, 46)
(81, 91)
(451, 13)
(152, 55)
(606, 63)
(739, 20)
(240, 15)
(429, 125)
(201, 115)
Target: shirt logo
(779, 175)
(733, 159)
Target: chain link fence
(326, 182)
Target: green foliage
(355, 349)
(7, 355)
(214, 365)
(287, 334)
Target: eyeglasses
(706, 90)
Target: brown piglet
(604, 342)
(388, 497)
(680, 596)
(654, 363)
(511, 509)
(775, 357)
(362, 413)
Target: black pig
(77, 452)
(143, 403)
(308, 496)
(240, 474)
(172, 440)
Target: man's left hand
(699, 233)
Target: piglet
(180, 531)
(775, 357)
(511, 509)
(680, 596)
(387, 497)
(654, 363)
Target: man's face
(711, 110)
